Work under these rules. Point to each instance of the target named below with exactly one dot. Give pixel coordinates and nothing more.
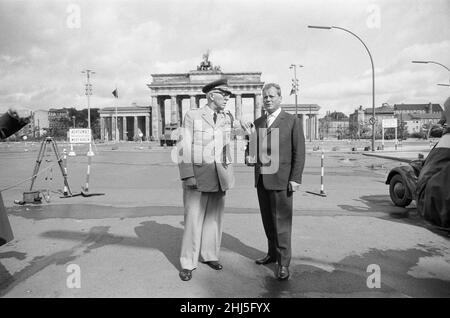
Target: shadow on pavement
(383, 204)
(349, 278)
(150, 234)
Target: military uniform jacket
(204, 149)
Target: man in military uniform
(10, 122)
(206, 173)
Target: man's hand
(190, 182)
(248, 127)
(294, 186)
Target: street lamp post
(437, 63)
(372, 120)
(73, 120)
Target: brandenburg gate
(177, 87)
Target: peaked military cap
(220, 85)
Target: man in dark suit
(278, 173)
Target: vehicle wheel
(398, 191)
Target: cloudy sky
(46, 44)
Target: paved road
(126, 242)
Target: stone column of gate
(147, 127)
(124, 128)
(173, 109)
(102, 128)
(316, 131)
(193, 101)
(304, 125)
(257, 109)
(238, 106)
(113, 127)
(180, 110)
(155, 118)
(135, 126)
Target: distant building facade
(418, 117)
(417, 108)
(58, 119)
(359, 121)
(335, 125)
(40, 122)
(416, 123)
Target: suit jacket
(281, 151)
(204, 150)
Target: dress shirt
(271, 117)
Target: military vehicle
(170, 136)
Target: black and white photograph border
(95, 203)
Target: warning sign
(80, 136)
(389, 123)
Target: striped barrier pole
(65, 191)
(322, 172)
(86, 188)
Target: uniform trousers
(202, 235)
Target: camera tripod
(45, 142)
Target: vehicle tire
(398, 191)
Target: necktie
(215, 117)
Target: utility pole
(88, 93)
(310, 124)
(295, 86)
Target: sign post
(389, 123)
(80, 136)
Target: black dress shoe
(283, 273)
(186, 274)
(214, 265)
(265, 260)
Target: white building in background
(40, 122)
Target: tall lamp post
(372, 120)
(88, 93)
(437, 63)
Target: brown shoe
(186, 274)
(283, 273)
(265, 260)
